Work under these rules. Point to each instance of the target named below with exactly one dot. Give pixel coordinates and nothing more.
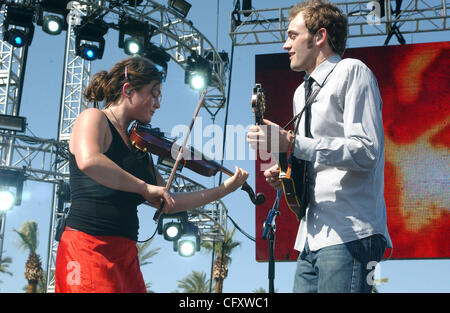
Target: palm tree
(195, 282)
(223, 251)
(144, 256)
(4, 264)
(28, 234)
(259, 290)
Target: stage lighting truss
(11, 179)
(89, 41)
(170, 32)
(365, 19)
(18, 27)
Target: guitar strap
(302, 192)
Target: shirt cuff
(305, 148)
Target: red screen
(414, 85)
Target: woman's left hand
(235, 181)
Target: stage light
(138, 35)
(183, 233)
(7, 199)
(158, 56)
(89, 52)
(181, 6)
(133, 46)
(89, 41)
(22, 30)
(186, 247)
(56, 22)
(189, 242)
(11, 178)
(247, 5)
(52, 25)
(172, 231)
(198, 72)
(14, 123)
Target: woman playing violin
(108, 180)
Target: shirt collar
(321, 72)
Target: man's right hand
(272, 178)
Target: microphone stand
(269, 232)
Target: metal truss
(269, 26)
(12, 68)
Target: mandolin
(292, 170)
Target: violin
(147, 139)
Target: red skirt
(103, 264)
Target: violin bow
(179, 156)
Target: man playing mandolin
(109, 179)
(340, 136)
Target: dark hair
(107, 86)
(321, 13)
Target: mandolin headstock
(258, 104)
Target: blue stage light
(89, 52)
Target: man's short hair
(323, 14)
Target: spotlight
(21, 18)
(133, 46)
(158, 56)
(14, 123)
(172, 231)
(89, 52)
(189, 242)
(246, 6)
(55, 23)
(181, 6)
(198, 72)
(184, 234)
(14, 179)
(90, 32)
(139, 34)
(7, 199)
(186, 247)
(52, 24)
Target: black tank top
(99, 210)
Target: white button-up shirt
(346, 154)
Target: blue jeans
(341, 268)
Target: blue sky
(40, 105)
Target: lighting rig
(183, 233)
(52, 16)
(89, 41)
(11, 179)
(18, 27)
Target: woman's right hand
(272, 177)
(155, 194)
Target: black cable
(151, 237)
(243, 232)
